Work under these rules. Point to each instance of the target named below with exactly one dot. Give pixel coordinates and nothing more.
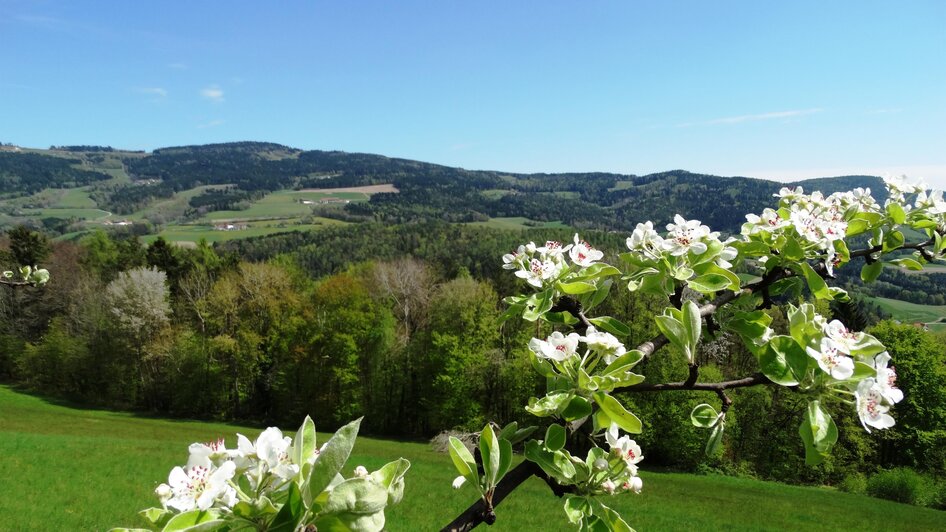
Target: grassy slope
(75, 469)
(912, 312)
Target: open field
(911, 312)
(289, 203)
(80, 469)
(195, 232)
(366, 190)
(517, 222)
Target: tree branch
(478, 512)
(752, 380)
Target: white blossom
(582, 254)
(199, 487)
(870, 409)
(605, 343)
(887, 379)
(556, 347)
(685, 235)
(831, 360)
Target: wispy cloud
(754, 118)
(157, 93)
(213, 93)
(212, 123)
(884, 111)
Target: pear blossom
(553, 250)
(727, 254)
(556, 347)
(933, 202)
(516, 259)
(273, 449)
(608, 486)
(536, 271)
(603, 342)
(645, 239)
(164, 494)
(458, 482)
(789, 194)
(624, 447)
(207, 454)
(634, 484)
(869, 407)
(582, 254)
(769, 221)
(685, 235)
(199, 487)
(845, 340)
(831, 360)
(887, 379)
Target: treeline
(29, 173)
(922, 288)
(399, 324)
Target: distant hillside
(427, 191)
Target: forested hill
(426, 191)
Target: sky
(778, 90)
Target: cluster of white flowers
(836, 356)
(683, 236)
(540, 266)
(560, 347)
(208, 479)
(625, 455)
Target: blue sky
(765, 89)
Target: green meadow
(66, 468)
(286, 203)
(908, 312)
(516, 223)
(195, 232)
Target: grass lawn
(517, 222)
(193, 233)
(284, 204)
(80, 469)
(911, 312)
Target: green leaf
(909, 264)
(599, 270)
(793, 250)
(618, 414)
(693, 323)
(464, 462)
(611, 325)
(356, 496)
(156, 516)
(673, 329)
(505, 458)
(490, 454)
(862, 371)
(868, 346)
(784, 361)
(819, 433)
(590, 301)
(704, 416)
(564, 318)
(304, 444)
(331, 460)
(575, 288)
(292, 510)
(628, 360)
(391, 476)
(870, 272)
(896, 213)
(552, 403)
(611, 519)
(194, 520)
(555, 437)
(893, 240)
(577, 408)
(555, 464)
(815, 283)
(576, 508)
(715, 441)
(537, 305)
(709, 282)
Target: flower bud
(459, 481)
(601, 464)
(361, 472)
(164, 493)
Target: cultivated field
(79, 469)
(908, 312)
